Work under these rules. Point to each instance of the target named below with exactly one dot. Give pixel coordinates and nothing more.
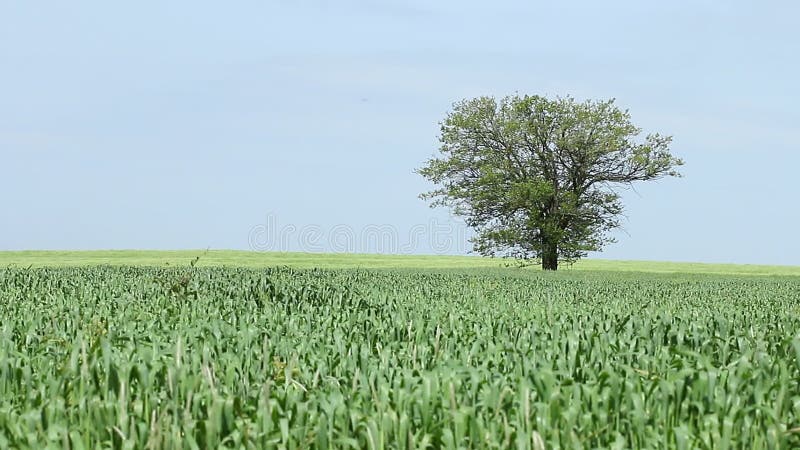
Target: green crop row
(197, 358)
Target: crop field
(225, 357)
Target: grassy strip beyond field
(347, 260)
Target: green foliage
(536, 177)
(284, 358)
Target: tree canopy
(538, 178)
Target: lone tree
(536, 177)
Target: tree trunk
(550, 256)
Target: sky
(297, 125)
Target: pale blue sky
(185, 124)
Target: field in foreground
(138, 357)
(233, 258)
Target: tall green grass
(124, 357)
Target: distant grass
(347, 260)
(240, 259)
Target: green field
(403, 352)
(370, 261)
